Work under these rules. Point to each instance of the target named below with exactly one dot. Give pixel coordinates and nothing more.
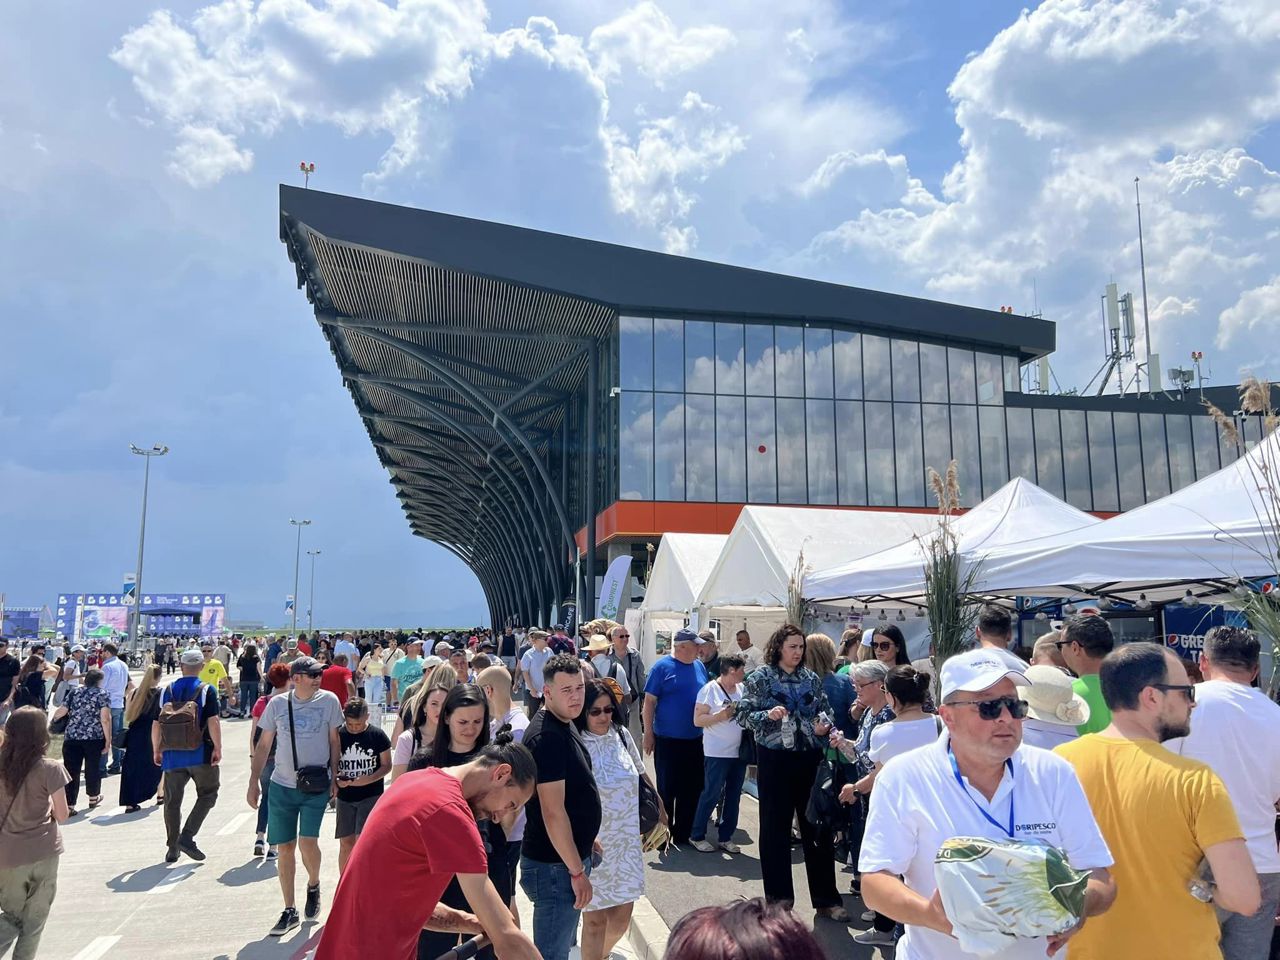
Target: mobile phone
(597, 858)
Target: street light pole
(311, 601)
(297, 559)
(135, 622)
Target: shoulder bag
(58, 727)
(650, 805)
(311, 779)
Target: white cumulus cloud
(203, 156)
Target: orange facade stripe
(641, 519)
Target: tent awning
(680, 568)
(1016, 513)
(760, 555)
(1204, 537)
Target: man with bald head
(623, 656)
(964, 785)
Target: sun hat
(599, 643)
(1052, 698)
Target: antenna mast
(1146, 317)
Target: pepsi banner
(1185, 627)
(86, 616)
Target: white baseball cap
(980, 669)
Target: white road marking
(235, 823)
(97, 948)
(170, 882)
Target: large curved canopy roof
(464, 343)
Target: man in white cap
(1054, 709)
(973, 782)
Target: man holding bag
(305, 723)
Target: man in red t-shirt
(304, 648)
(423, 832)
(337, 680)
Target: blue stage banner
(83, 616)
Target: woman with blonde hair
(139, 775)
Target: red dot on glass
(760, 449)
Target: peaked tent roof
(1017, 512)
(680, 568)
(1205, 537)
(762, 550)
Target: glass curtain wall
(770, 413)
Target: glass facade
(770, 413)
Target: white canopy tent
(748, 587)
(680, 568)
(1016, 513)
(1204, 537)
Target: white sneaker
(868, 916)
(874, 937)
(704, 846)
(730, 847)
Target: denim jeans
(248, 696)
(1249, 938)
(721, 775)
(554, 918)
(117, 738)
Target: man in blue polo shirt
(670, 694)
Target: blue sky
(965, 151)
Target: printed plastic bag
(996, 889)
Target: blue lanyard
(955, 769)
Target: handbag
(650, 810)
(59, 726)
(311, 779)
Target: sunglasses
(991, 709)
(1187, 689)
(884, 644)
(624, 636)
(599, 711)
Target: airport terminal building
(544, 403)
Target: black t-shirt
(9, 670)
(507, 648)
(359, 756)
(248, 664)
(561, 755)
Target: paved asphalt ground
(118, 899)
(680, 880)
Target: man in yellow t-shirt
(215, 675)
(1161, 814)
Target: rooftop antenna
(1152, 386)
(307, 170)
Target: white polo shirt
(917, 804)
(115, 680)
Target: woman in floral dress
(617, 881)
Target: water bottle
(1201, 885)
(788, 732)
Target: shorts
(509, 662)
(352, 815)
(292, 813)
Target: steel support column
(589, 559)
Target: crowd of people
(861, 757)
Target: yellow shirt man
(213, 673)
(1158, 812)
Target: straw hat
(1052, 699)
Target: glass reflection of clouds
(700, 447)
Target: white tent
(748, 584)
(1204, 537)
(680, 568)
(1017, 512)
